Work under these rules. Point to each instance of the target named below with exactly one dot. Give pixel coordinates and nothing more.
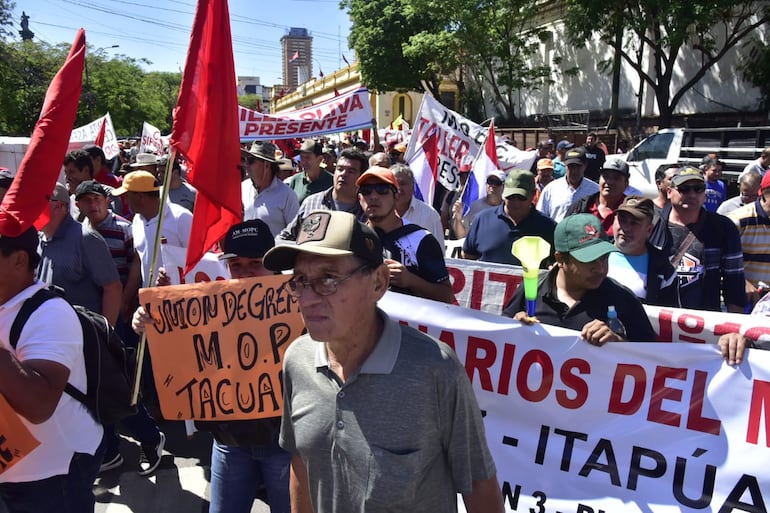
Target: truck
(735, 147)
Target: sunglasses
(494, 183)
(380, 188)
(686, 189)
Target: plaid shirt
(319, 201)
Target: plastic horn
(531, 250)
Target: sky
(159, 30)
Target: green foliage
(381, 34)
(500, 47)
(403, 44)
(250, 101)
(6, 10)
(26, 70)
(703, 30)
(117, 85)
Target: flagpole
(151, 278)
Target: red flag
(430, 147)
(286, 146)
(99, 141)
(205, 128)
(27, 200)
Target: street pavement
(180, 485)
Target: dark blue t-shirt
(493, 233)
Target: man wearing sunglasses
(414, 256)
(494, 230)
(377, 416)
(705, 247)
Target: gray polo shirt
(403, 434)
(78, 260)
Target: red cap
(765, 182)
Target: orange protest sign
(217, 347)
(15, 439)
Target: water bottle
(614, 323)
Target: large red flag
(206, 129)
(27, 200)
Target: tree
(499, 48)
(381, 30)
(26, 70)
(117, 85)
(6, 13)
(702, 30)
(403, 44)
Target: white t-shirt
(177, 222)
(556, 198)
(51, 333)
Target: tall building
(297, 57)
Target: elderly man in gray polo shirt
(77, 259)
(378, 416)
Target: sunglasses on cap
(494, 182)
(685, 189)
(380, 188)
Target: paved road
(180, 485)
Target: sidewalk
(180, 485)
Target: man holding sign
(377, 416)
(245, 455)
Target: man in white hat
(264, 196)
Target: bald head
(381, 159)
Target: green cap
(582, 236)
(519, 181)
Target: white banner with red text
(152, 141)
(628, 427)
(87, 134)
(459, 141)
(487, 286)
(346, 112)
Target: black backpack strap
(27, 308)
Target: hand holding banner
(218, 347)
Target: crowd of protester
(611, 251)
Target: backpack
(109, 363)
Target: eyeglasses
(380, 188)
(251, 160)
(686, 189)
(493, 182)
(325, 286)
(517, 197)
